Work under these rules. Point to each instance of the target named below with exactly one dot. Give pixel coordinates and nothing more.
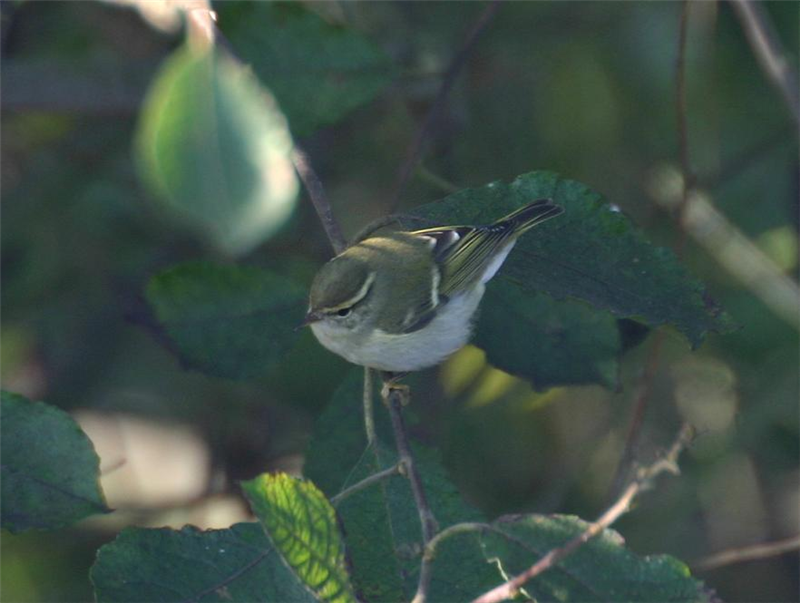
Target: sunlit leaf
(601, 570)
(215, 150)
(49, 467)
(303, 528)
(164, 565)
(227, 321)
(318, 71)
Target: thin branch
(748, 553)
(367, 481)
(319, 199)
(634, 434)
(769, 51)
(456, 64)
(426, 569)
(369, 412)
(394, 398)
(643, 480)
(633, 438)
(683, 128)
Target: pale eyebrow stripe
(361, 294)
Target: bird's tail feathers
(528, 216)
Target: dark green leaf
(303, 528)
(227, 321)
(318, 71)
(381, 521)
(551, 342)
(215, 149)
(591, 253)
(237, 564)
(49, 467)
(601, 570)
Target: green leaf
(227, 321)
(303, 528)
(215, 149)
(381, 521)
(592, 254)
(551, 342)
(49, 467)
(601, 570)
(318, 71)
(237, 564)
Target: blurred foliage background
(586, 89)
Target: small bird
(405, 301)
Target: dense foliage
(157, 248)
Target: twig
(318, 198)
(769, 51)
(367, 481)
(683, 128)
(415, 150)
(748, 553)
(640, 407)
(426, 569)
(632, 440)
(643, 480)
(394, 402)
(369, 412)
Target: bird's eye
(343, 312)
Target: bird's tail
(528, 216)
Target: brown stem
(769, 51)
(748, 553)
(415, 150)
(319, 199)
(394, 398)
(644, 479)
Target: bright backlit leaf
(49, 467)
(303, 527)
(214, 148)
(228, 321)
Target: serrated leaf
(215, 149)
(303, 528)
(49, 467)
(227, 321)
(318, 71)
(591, 253)
(601, 570)
(164, 565)
(382, 522)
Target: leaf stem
(644, 479)
(366, 482)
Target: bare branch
(633, 437)
(415, 150)
(369, 411)
(394, 396)
(319, 199)
(749, 553)
(643, 480)
(366, 482)
(769, 51)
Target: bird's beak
(310, 317)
